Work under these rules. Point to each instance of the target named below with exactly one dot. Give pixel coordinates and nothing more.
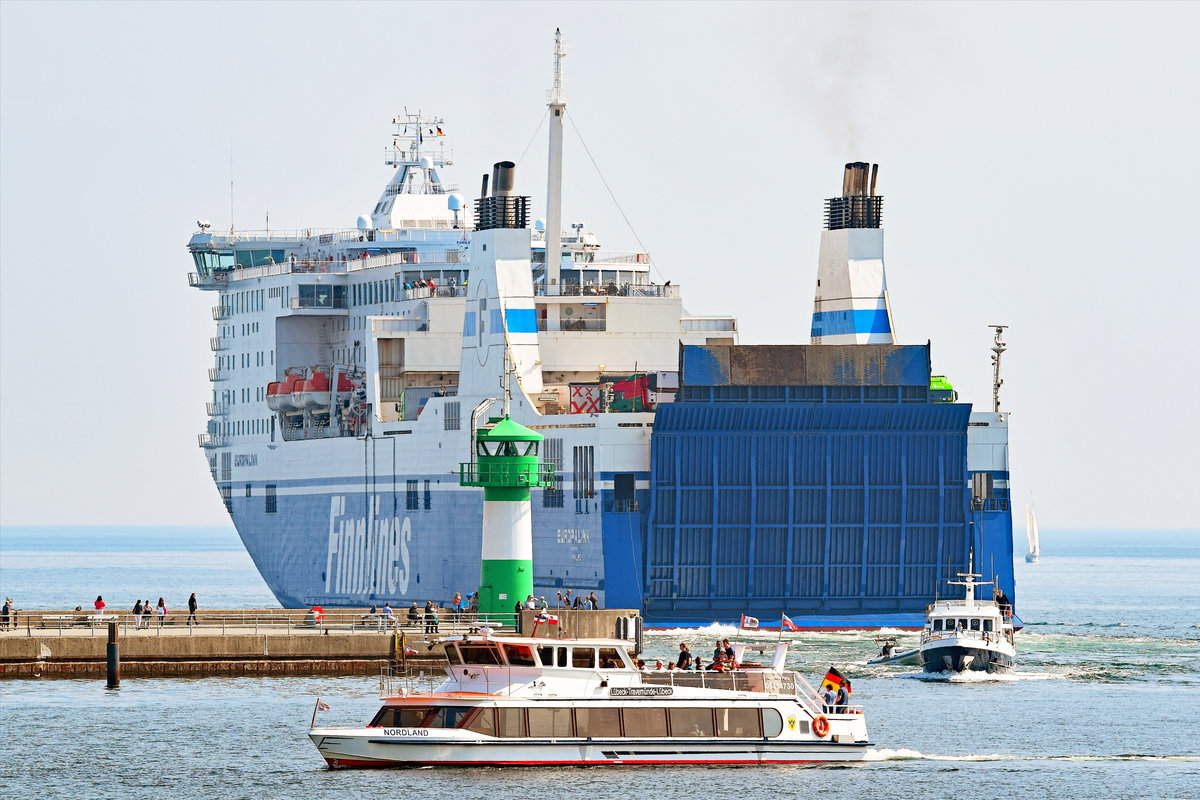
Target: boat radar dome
(539, 225)
(364, 223)
(425, 162)
(454, 201)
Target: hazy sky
(1039, 164)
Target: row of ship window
(962, 624)
(564, 722)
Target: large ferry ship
(694, 478)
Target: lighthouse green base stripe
(510, 577)
(502, 494)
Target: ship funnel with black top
(851, 302)
(859, 206)
(502, 209)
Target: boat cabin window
(691, 722)
(446, 716)
(644, 722)
(550, 722)
(962, 624)
(583, 658)
(546, 652)
(410, 717)
(738, 722)
(610, 658)
(452, 654)
(483, 654)
(482, 721)
(772, 722)
(519, 655)
(598, 723)
(987, 624)
(510, 722)
(937, 624)
(974, 624)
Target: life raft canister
(820, 726)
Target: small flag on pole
(834, 680)
(322, 705)
(410, 651)
(749, 622)
(439, 130)
(547, 619)
(788, 625)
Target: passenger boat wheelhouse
(527, 701)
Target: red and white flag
(322, 705)
(548, 619)
(787, 624)
(749, 622)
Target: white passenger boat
(968, 634)
(528, 701)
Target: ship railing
(325, 301)
(218, 374)
(422, 292)
(232, 622)
(566, 324)
(216, 409)
(210, 440)
(220, 312)
(408, 258)
(694, 324)
(218, 343)
(398, 324)
(608, 290)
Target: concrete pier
(258, 642)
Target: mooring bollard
(114, 657)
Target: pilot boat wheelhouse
(968, 634)
(527, 701)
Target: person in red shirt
(99, 603)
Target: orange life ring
(820, 726)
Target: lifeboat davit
(280, 394)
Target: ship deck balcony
(218, 343)
(218, 374)
(210, 440)
(608, 290)
(568, 325)
(217, 409)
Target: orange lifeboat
(280, 397)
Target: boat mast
(557, 101)
(998, 348)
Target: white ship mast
(557, 101)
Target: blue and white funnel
(851, 302)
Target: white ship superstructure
(348, 363)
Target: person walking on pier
(161, 611)
(8, 611)
(192, 606)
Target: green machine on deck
(506, 466)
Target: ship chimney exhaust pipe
(503, 178)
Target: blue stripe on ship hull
(521, 320)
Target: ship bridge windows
(207, 263)
(974, 624)
(260, 258)
(987, 625)
(519, 655)
(480, 654)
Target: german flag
(834, 680)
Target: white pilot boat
(528, 701)
(968, 634)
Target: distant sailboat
(1031, 531)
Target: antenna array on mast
(998, 348)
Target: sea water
(1105, 700)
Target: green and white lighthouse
(506, 466)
